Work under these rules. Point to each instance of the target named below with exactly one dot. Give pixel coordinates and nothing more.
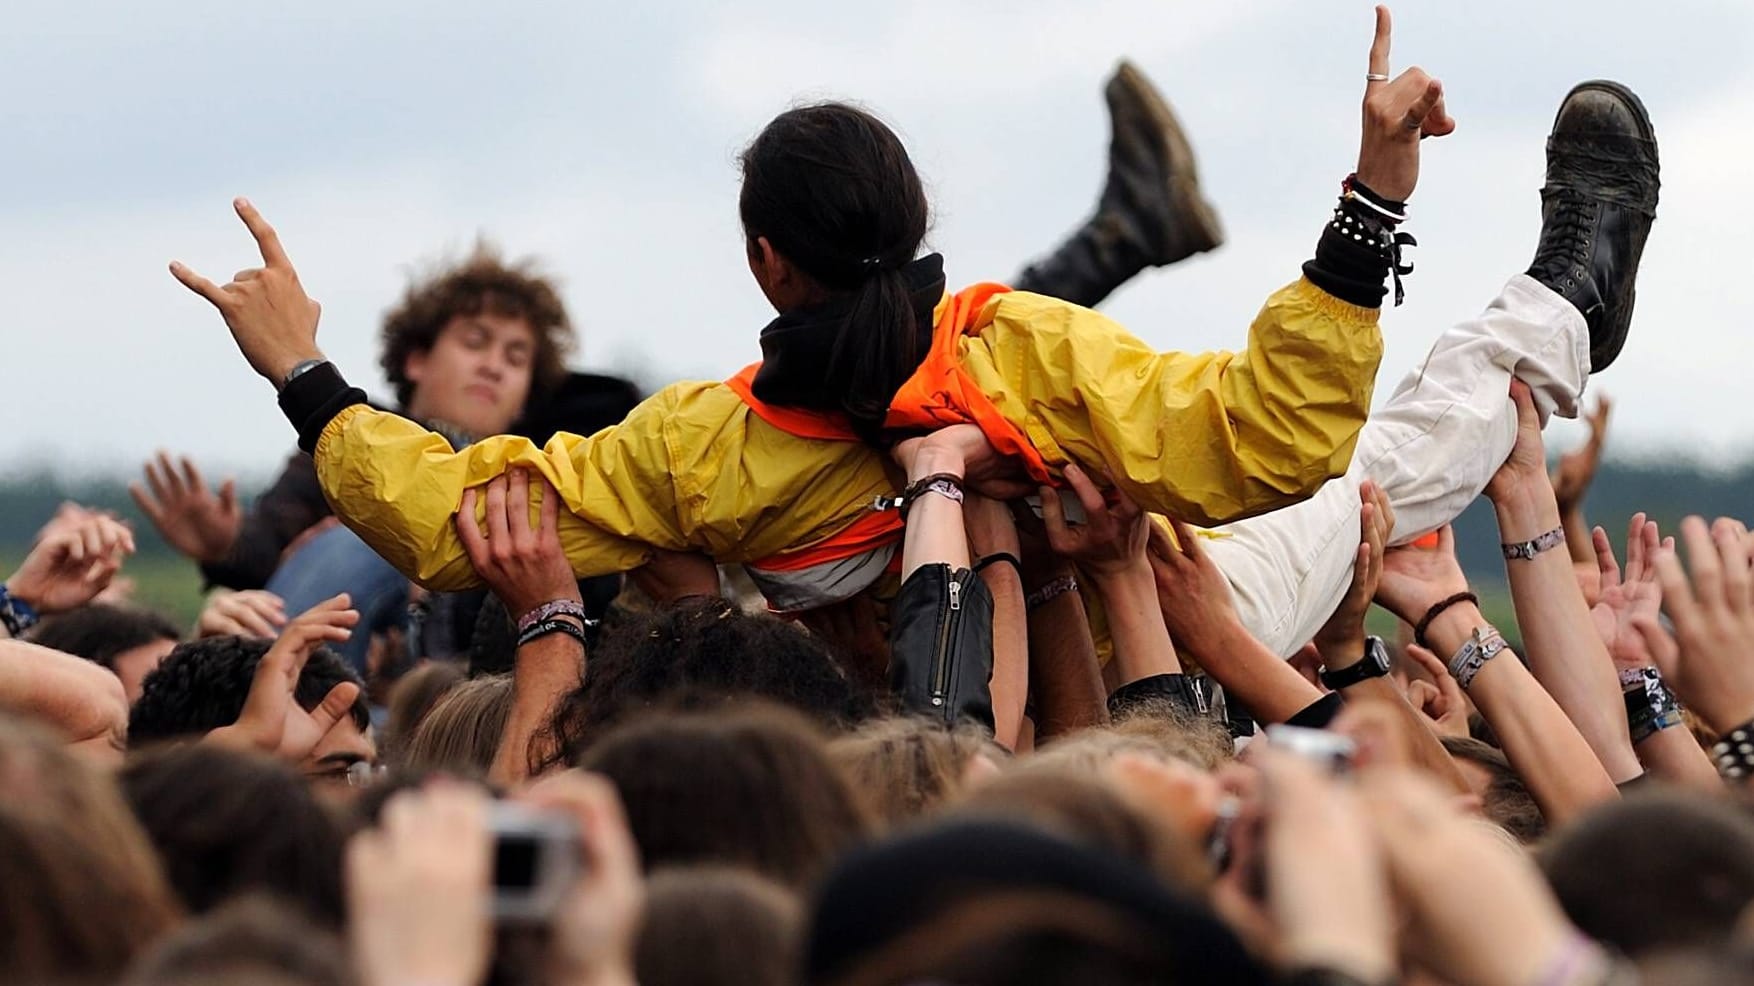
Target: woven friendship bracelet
(552, 608)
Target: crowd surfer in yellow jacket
(779, 467)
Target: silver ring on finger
(1375, 77)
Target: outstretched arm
(658, 480)
(1212, 438)
(1565, 653)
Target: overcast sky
(602, 138)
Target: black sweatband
(999, 557)
(313, 399)
(557, 624)
(1319, 713)
(1359, 248)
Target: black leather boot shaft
(1596, 209)
(1151, 213)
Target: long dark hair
(833, 190)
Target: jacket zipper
(946, 638)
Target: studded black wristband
(1734, 754)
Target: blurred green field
(161, 581)
(1667, 491)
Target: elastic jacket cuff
(312, 401)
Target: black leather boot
(1596, 209)
(1151, 212)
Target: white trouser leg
(1432, 447)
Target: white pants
(1432, 447)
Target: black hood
(795, 347)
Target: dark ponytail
(834, 192)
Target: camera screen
(515, 857)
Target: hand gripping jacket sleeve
(1209, 438)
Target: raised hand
(1193, 593)
(965, 451)
(1577, 469)
(1710, 663)
(1111, 541)
(1397, 114)
(597, 924)
(1415, 579)
(524, 565)
(74, 559)
(1332, 908)
(1440, 700)
(271, 721)
(1442, 865)
(1344, 631)
(672, 576)
(1630, 597)
(418, 889)
(1527, 462)
(271, 318)
(188, 515)
(250, 613)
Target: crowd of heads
(676, 786)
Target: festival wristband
(557, 624)
(1525, 550)
(1053, 590)
(15, 614)
(552, 608)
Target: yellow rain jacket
(1209, 438)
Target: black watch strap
(1374, 665)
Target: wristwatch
(1374, 665)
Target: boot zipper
(946, 639)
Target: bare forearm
(1142, 647)
(1541, 742)
(1673, 756)
(81, 699)
(1260, 679)
(1063, 670)
(936, 533)
(1565, 652)
(1578, 541)
(1010, 681)
(546, 670)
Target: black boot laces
(1565, 242)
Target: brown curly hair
(484, 281)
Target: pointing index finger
(1379, 47)
(273, 254)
